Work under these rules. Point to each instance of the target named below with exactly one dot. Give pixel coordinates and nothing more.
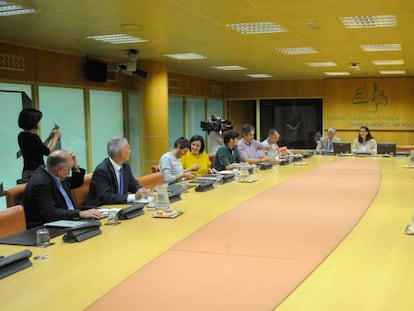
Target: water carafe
(162, 200)
(244, 171)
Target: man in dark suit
(112, 181)
(47, 196)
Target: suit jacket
(104, 185)
(324, 141)
(43, 202)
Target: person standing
(215, 135)
(31, 146)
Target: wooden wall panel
(183, 85)
(56, 68)
(29, 55)
(274, 89)
(241, 112)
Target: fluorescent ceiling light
(7, 9)
(300, 50)
(257, 28)
(337, 73)
(369, 21)
(231, 67)
(392, 72)
(380, 47)
(258, 75)
(322, 64)
(117, 39)
(388, 62)
(186, 56)
(17, 12)
(10, 7)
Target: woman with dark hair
(31, 146)
(364, 142)
(196, 159)
(170, 165)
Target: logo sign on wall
(384, 104)
(374, 97)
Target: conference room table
(331, 260)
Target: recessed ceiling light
(231, 67)
(17, 12)
(381, 47)
(11, 9)
(388, 62)
(392, 72)
(185, 56)
(258, 75)
(369, 21)
(322, 64)
(337, 73)
(300, 50)
(257, 27)
(117, 38)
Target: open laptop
(386, 148)
(342, 148)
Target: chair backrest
(79, 194)
(405, 148)
(14, 196)
(12, 221)
(151, 180)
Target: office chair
(12, 221)
(14, 196)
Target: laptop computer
(386, 148)
(342, 148)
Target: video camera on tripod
(216, 124)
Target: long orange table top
(253, 256)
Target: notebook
(64, 223)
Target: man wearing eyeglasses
(47, 196)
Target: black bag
(82, 232)
(14, 263)
(132, 211)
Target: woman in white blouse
(364, 142)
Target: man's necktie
(330, 146)
(121, 181)
(65, 195)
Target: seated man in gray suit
(326, 142)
